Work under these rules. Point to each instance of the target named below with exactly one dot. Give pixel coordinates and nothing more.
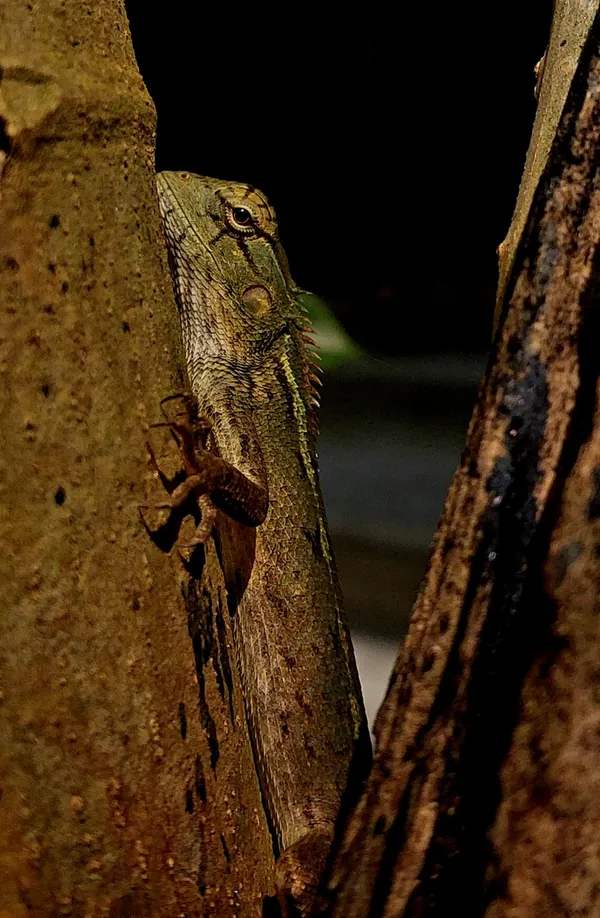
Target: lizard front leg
(228, 488)
(214, 482)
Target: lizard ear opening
(258, 299)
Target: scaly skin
(250, 369)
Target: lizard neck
(264, 416)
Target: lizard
(251, 366)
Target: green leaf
(333, 344)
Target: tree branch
(127, 773)
(483, 797)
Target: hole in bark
(199, 779)
(5, 141)
(225, 849)
(54, 221)
(182, 720)
(60, 496)
(213, 743)
(428, 662)
(189, 801)
(271, 908)
(45, 390)
(379, 826)
(594, 504)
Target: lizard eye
(241, 215)
(240, 219)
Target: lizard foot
(205, 526)
(186, 489)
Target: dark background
(390, 142)
(392, 145)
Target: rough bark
(128, 786)
(483, 798)
(571, 23)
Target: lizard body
(250, 365)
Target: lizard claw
(171, 398)
(193, 543)
(205, 526)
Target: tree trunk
(128, 781)
(484, 794)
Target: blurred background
(390, 138)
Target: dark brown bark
(128, 786)
(483, 798)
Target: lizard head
(237, 301)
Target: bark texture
(483, 798)
(571, 23)
(128, 786)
